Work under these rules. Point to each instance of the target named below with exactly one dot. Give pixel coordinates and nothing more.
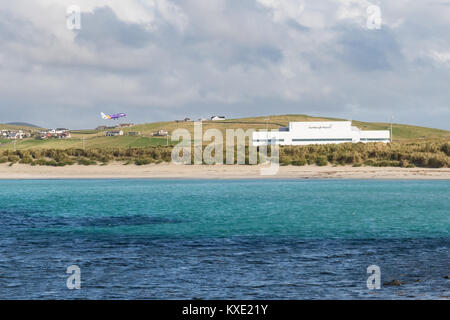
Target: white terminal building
(315, 132)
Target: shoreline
(216, 172)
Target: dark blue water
(183, 239)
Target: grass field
(97, 138)
(92, 142)
(400, 131)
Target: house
(134, 133)
(217, 118)
(44, 135)
(101, 128)
(64, 135)
(161, 133)
(184, 120)
(15, 135)
(125, 125)
(114, 133)
(319, 132)
(59, 133)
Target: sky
(161, 60)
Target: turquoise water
(245, 239)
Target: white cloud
(47, 13)
(165, 58)
(354, 10)
(440, 57)
(285, 9)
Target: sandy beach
(118, 170)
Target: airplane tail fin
(104, 116)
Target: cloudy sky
(167, 59)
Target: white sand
(118, 170)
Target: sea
(224, 239)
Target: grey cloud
(369, 50)
(231, 58)
(103, 29)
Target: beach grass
(141, 151)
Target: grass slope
(400, 131)
(93, 142)
(97, 139)
(19, 127)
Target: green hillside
(97, 139)
(92, 142)
(400, 131)
(405, 132)
(19, 127)
(23, 124)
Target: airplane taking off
(112, 116)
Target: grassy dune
(398, 154)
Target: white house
(161, 133)
(217, 118)
(61, 130)
(304, 133)
(114, 133)
(16, 135)
(134, 133)
(60, 133)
